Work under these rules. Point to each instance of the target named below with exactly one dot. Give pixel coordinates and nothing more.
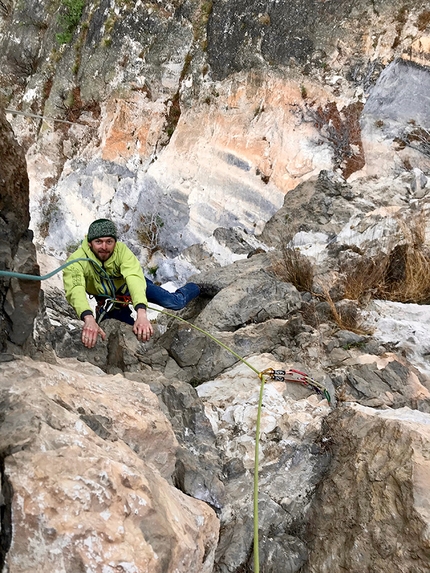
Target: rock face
(201, 127)
(87, 461)
(284, 495)
(15, 187)
(283, 34)
(262, 317)
(19, 300)
(204, 114)
(387, 118)
(375, 514)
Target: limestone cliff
(206, 113)
(226, 129)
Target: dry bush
(346, 317)
(415, 137)
(401, 275)
(72, 106)
(341, 130)
(294, 268)
(423, 20)
(149, 230)
(6, 8)
(408, 276)
(364, 280)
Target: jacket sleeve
(133, 275)
(74, 285)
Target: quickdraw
(293, 375)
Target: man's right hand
(91, 331)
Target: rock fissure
(6, 522)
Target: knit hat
(101, 228)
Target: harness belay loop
(106, 304)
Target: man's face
(103, 247)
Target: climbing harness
(292, 375)
(300, 377)
(106, 304)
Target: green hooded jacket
(120, 272)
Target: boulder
(371, 511)
(87, 464)
(381, 382)
(248, 315)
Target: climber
(115, 278)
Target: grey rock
(367, 493)
(277, 34)
(198, 466)
(198, 476)
(317, 204)
(253, 299)
(347, 338)
(283, 548)
(225, 276)
(248, 315)
(212, 359)
(390, 99)
(234, 239)
(392, 386)
(16, 250)
(22, 300)
(235, 544)
(419, 183)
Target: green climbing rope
(257, 430)
(256, 465)
(296, 376)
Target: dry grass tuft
(408, 276)
(294, 268)
(347, 318)
(364, 279)
(401, 274)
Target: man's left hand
(142, 327)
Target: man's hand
(91, 331)
(142, 328)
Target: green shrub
(70, 19)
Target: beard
(101, 254)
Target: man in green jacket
(113, 273)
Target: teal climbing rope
(25, 277)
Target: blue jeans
(158, 295)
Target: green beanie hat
(101, 228)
